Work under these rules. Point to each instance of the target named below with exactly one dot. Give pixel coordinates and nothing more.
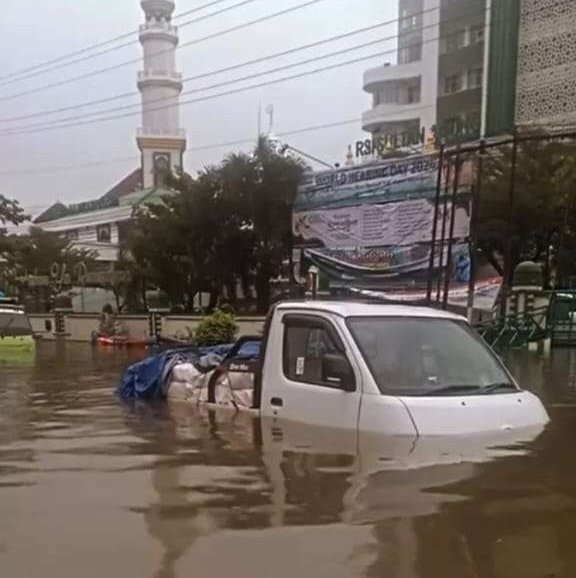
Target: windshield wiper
(477, 389)
(488, 389)
(455, 389)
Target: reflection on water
(91, 486)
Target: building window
(463, 126)
(388, 95)
(453, 83)
(104, 233)
(455, 41)
(473, 123)
(413, 94)
(123, 231)
(475, 78)
(412, 53)
(309, 343)
(477, 34)
(452, 126)
(408, 22)
(72, 235)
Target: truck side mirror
(336, 370)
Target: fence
(80, 327)
(520, 206)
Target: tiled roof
(56, 211)
(126, 186)
(111, 199)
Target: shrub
(218, 329)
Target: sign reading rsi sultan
(388, 142)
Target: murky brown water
(92, 487)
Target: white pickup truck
(385, 369)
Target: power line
(90, 48)
(202, 89)
(113, 49)
(207, 98)
(209, 73)
(233, 29)
(190, 43)
(66, 168)
(57, 123)
(39, 127)
(61, 168)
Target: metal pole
(473, 237)
(455, 186)
(435, 225)
(486, 75)
(443, 236)
(508, 268)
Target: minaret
(161, 140)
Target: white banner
(394, 224)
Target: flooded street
(91, 487)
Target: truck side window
(305, 348)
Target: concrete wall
(79, 327)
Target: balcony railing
(162, 74)
(390, 113)
(144, 132)
(159, 28)
(384, 74)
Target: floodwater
(92, 487)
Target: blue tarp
(146, 379)
(149, 378)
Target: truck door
(317, 382)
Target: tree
(10, 213)
(264, 186)
(40, 254)
(544, 197)
(231, 224)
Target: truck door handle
(276, 401)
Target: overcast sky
(35, 31)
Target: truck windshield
(13, 323)
(421, 356)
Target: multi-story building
(436, 84)
(404, 93)
(473, 68)
(102, 224)
(462, 33)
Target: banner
(370, 227)
(392, 264)
(394, 224)
(371, 183)
(486, 293)
(378, 182)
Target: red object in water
(121, 342)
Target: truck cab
(387, 369)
